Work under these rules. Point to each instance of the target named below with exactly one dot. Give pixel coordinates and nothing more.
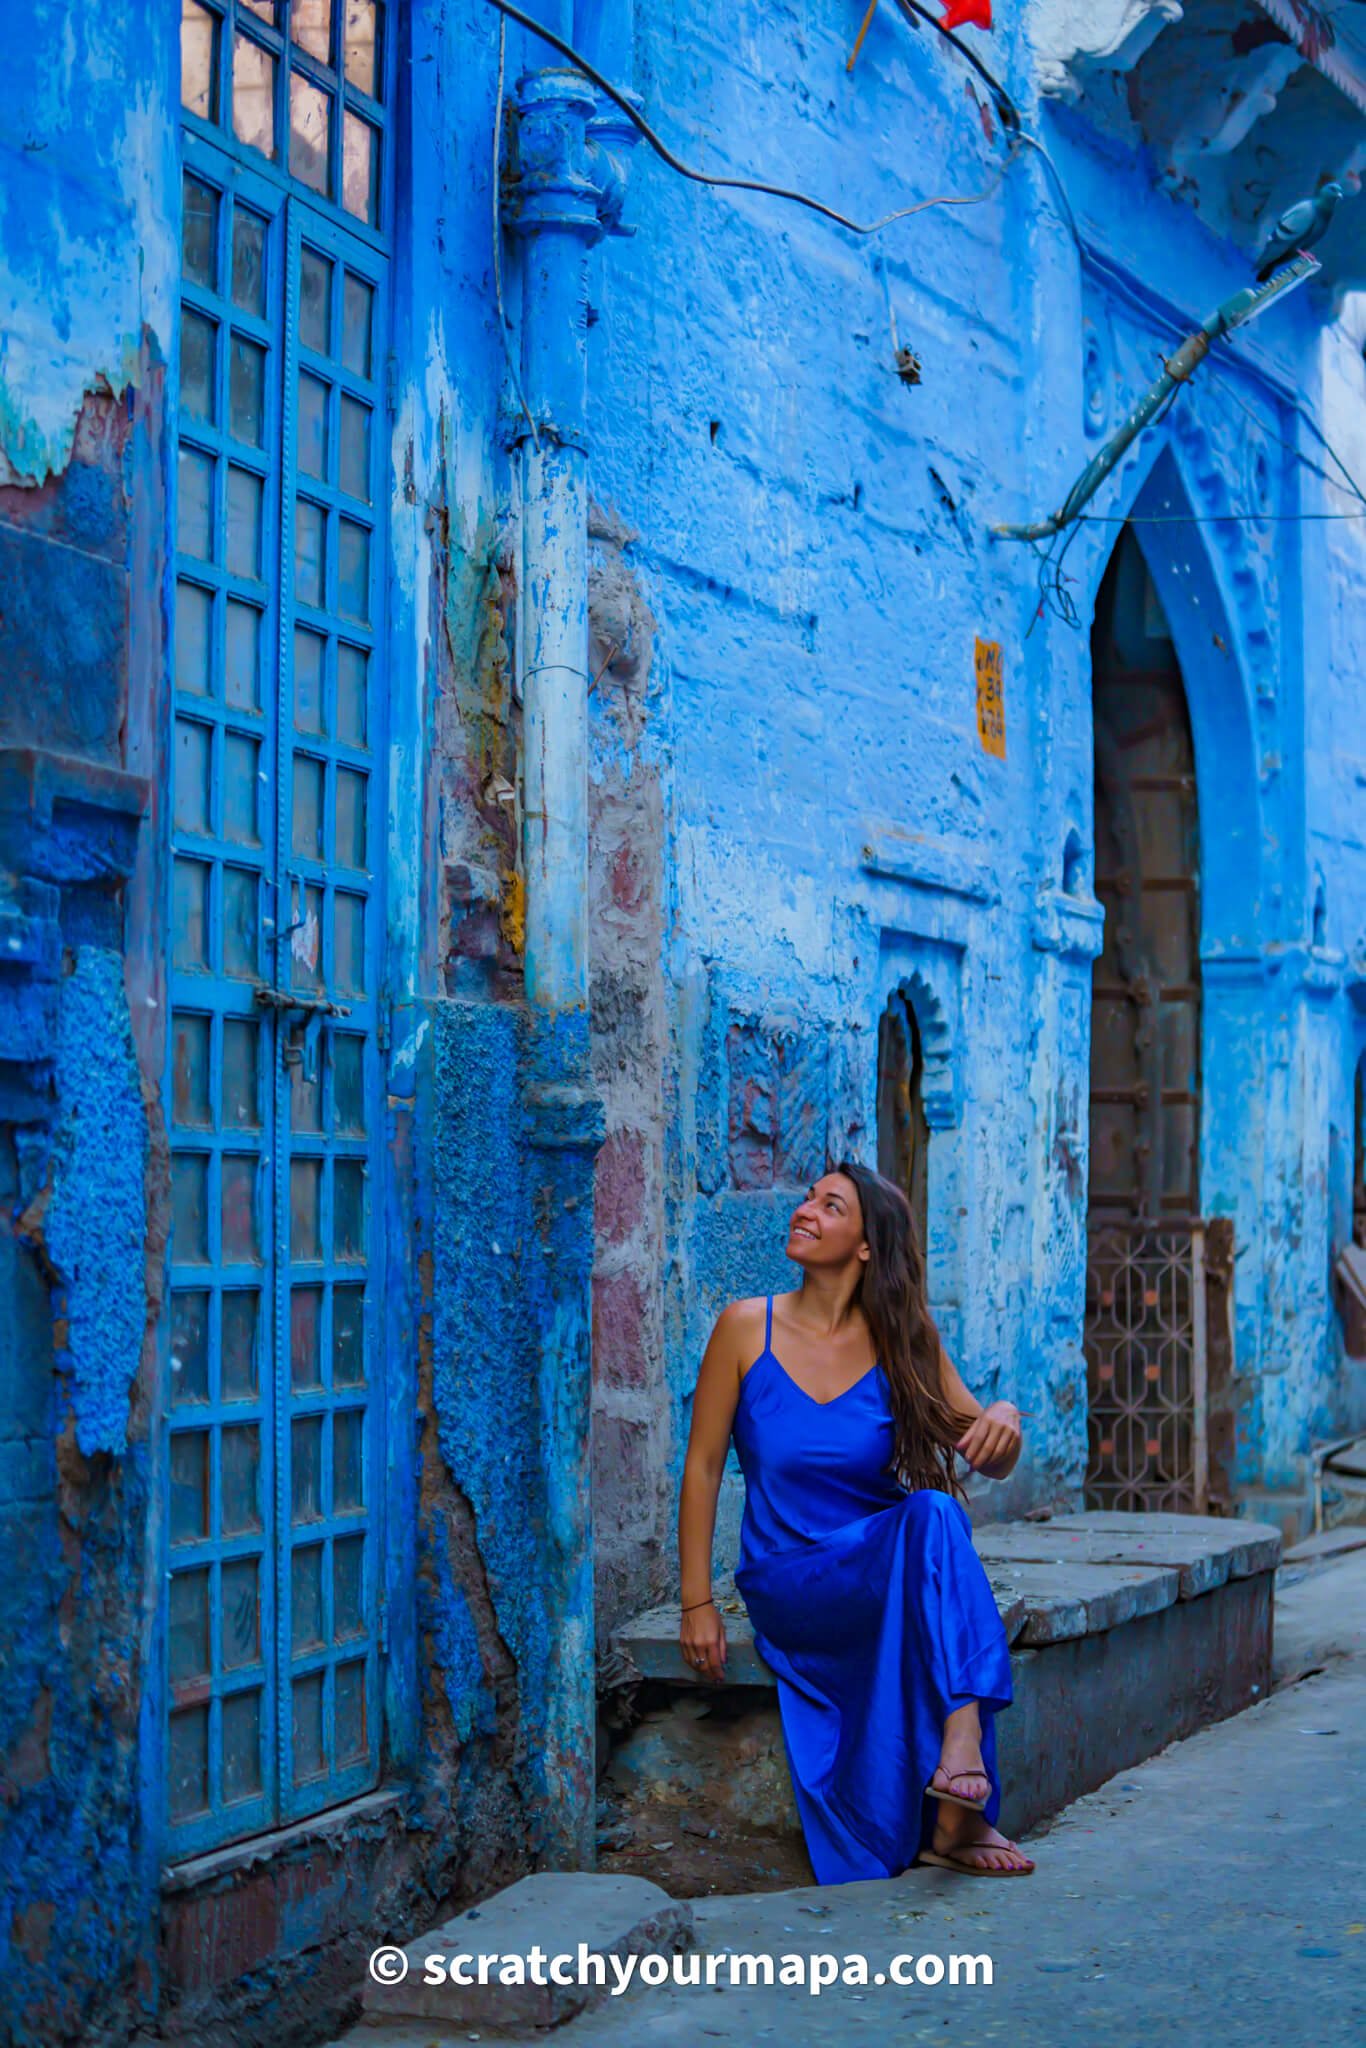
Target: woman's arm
(713, 1411)
(992, 1441)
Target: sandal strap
(952, 1775)
(961, 1849)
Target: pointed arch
(1192, 569)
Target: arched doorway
(1144, 1337)
(903, 1135)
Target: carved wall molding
(938, 1088)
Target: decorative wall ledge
(934, 865)
(1072, 927)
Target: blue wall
(812, 541)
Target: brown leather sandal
(956, 1860)
(933, 1791)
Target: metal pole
(1180, 367)
(1199, 1372)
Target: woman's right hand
(702, 1638)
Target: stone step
(556, 1911)
(1292, 1512)
(1070, 1576)
(1334, 1542)
(1070, 1599)
(1127, 1632)
(1344, 1498)
(1205, 1550)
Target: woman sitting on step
(857, 1566)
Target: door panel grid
(273, 1085)
(1144, 1333)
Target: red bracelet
(708, 1602)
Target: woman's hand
(991, 1444)
(702, 1638)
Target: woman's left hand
(992, 1442)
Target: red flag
(967, 14)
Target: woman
(856, 1562)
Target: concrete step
(1328, 1543)
(1204, 1550)
(1344, 1498)
(1292, 1512)
(1127, 1632)
(559, 1912)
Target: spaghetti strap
(768, 1326)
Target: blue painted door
(274, 1630)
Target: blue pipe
(557, 217)
(570, 188)
(569, 194)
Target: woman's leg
(960, 1766)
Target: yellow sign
(991, 698)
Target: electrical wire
(1054, 595)
(1053, 580)
(496, 182)
(1211, 518)
(1317, 431)
(1011, 119)
(1349, 485)
(662, 150)
(1033, 142)
(1005, 105)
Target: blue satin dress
(872, 1608)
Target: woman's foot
(976, 1846)
(959, 1775)
(967, 1787)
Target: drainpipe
(569, 192)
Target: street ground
(1215, 1894)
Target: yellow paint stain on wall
(513, 913)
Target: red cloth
(967, 14)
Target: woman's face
(827, 1228)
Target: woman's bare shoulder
(739, 1320)
(741, 1329)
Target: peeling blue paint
(95, 1224)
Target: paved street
(1216, 1894)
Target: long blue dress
(871, 1606)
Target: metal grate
(1145, 1365)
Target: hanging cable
(1351, 486)
(1005, 105)
(1033, 142)
(662, 150)
(1212, 518)
(1317, 431)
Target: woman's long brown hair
(892, 1296)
